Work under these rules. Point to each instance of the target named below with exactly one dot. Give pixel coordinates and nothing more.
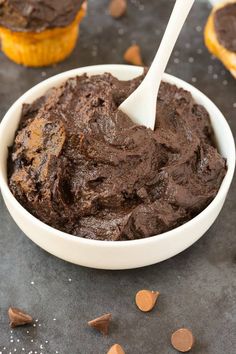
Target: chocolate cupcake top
(37, 15)
(225, 26)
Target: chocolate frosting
(83, 167)
(225, 26)
(37, 15)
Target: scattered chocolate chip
(101, 323)
(133, 55)
(146, 299)
(18, 317)
(116, 349)
(117, 8)
(182, 340)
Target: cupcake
(39, 32)
(220, 34)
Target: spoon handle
(140, 106)
(175, 24)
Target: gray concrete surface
(198, 287)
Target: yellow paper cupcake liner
(41, 49)
(227, 57)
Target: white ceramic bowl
(119, 254)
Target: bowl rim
(136, 70)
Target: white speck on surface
(121, 31)
(39, 325)
(32, 282)
(17, 340)
(199, 28)
(54, 319)
(215, 76)
(11, 340)
(99, 29)
(69, 279)
(46, 341)
(32, 340)
(194, 79)
(41, 346)
(34, 325)
(234, 104)
(36, 320)
(225, 82)
(210, 69)
(191, 59)
(176, 60)
(27, 331)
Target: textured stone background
(198, 287)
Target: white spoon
(140, 106)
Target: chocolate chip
(18, 317)
(182, 340)
(133, 55)
(117, 8)
(101, 323)
(146, 299)
(116, 349)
